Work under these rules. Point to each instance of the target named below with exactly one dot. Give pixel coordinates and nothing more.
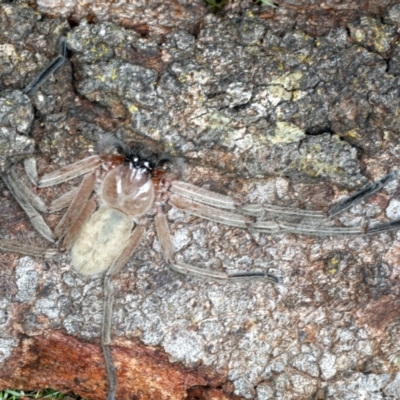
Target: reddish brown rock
(65, 363)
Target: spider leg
(270, 211)
(272, 227)
(33, 251)
(49, 70)
(243, 221)
(365, 192)
(69, 172)
(30, 163)
(203, 203)
(167, 247)
(31, 169)
(118, 264)
(203, 195)
(75, 208)
(213, 199)
(63, 201)
(25, 198)
(23, 190)
(208, 212)
(390, 226)
(77, 225)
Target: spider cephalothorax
(133, 176)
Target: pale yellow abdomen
(101, 240)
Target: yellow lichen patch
(352, 134)
(299, 94)
(333, 266)
(289, 80)
(276, 94)
(114, 74)
(359, 35)
(132, 108)
(183, 78)
(381, 39)
(314, 168)
(99, 49)
(395, 360)
(212, 121)
(286, 132)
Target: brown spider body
(130, 187)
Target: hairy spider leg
(49, 70)
(208, 212)
(77, 205)
(63, 201)
(25, 198)
(213, 199)
(75, 228)
(204, 203)
(70, 171)
(34, 251)
(31, 170)
(23, 191)
(362, 194)
(108, 302)
(167, 248)
(31, 203)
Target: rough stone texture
(255, 112)
(153, 18)
(40, 360)
(16, 113)
(160, 17)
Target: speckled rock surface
(266, 116)
(155, 18)
(16, 113)
(160, 17)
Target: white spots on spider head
(26, 279)
(137, 173)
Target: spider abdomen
(101, 240)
